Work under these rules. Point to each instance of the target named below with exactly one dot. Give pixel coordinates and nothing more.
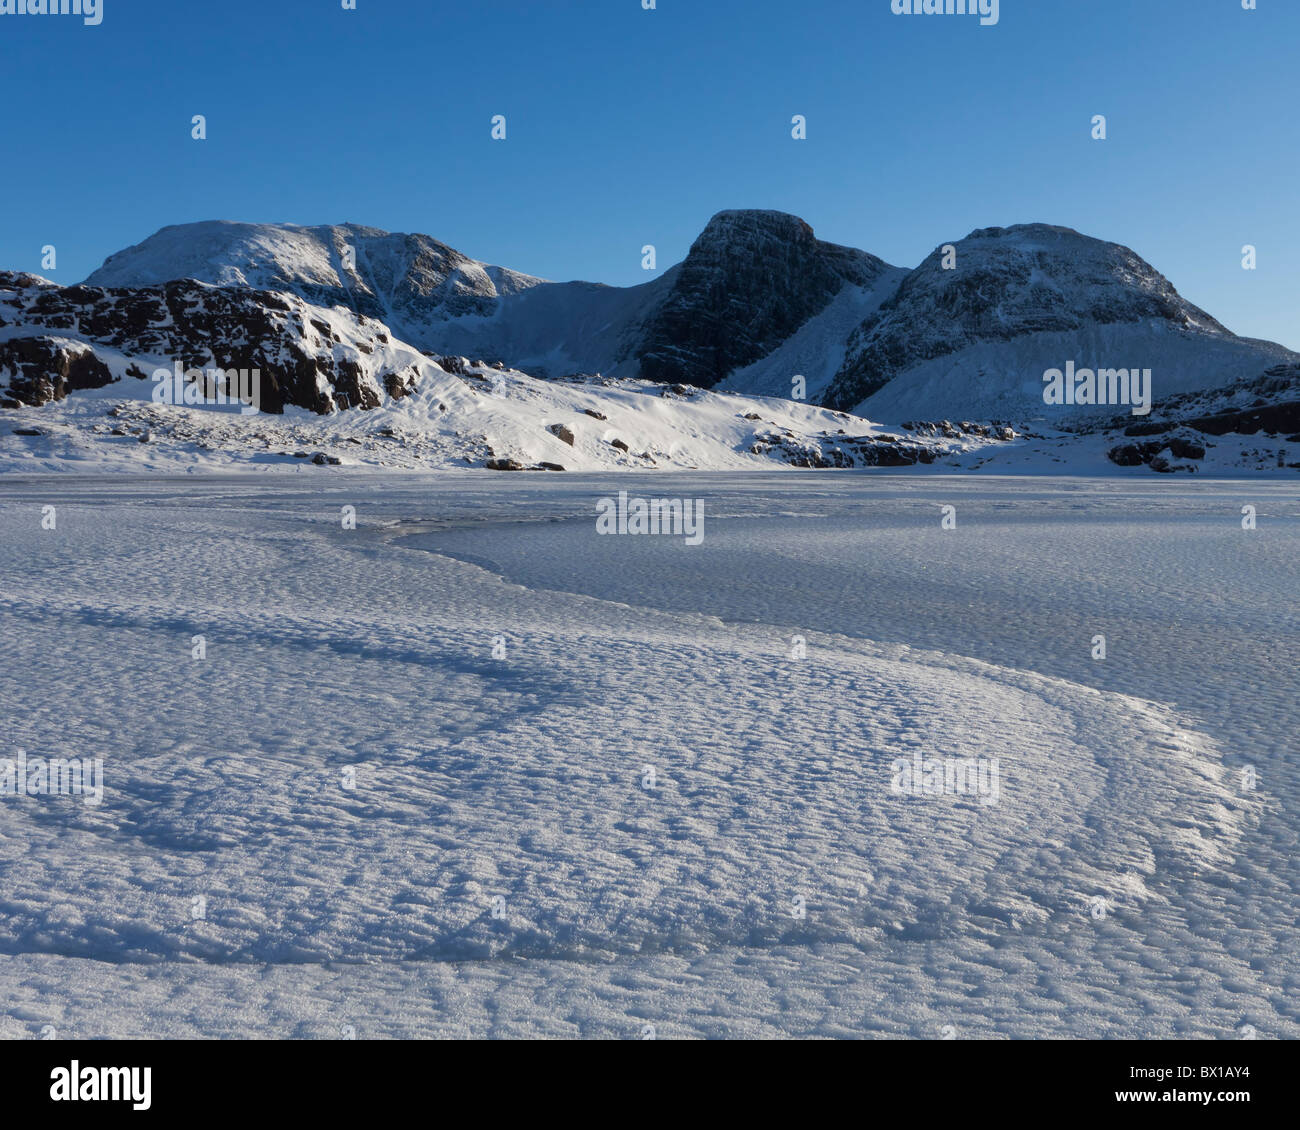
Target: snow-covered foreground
(648, 805)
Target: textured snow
(521, 778)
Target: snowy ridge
(400, 275)
(475, 417)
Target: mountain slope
(976, 339)
(428, 293)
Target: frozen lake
(473, 769)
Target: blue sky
(628, 127)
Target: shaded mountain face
(1007, 282)
(749, 282)
(757, 300)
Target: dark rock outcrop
(1151, 453)
(41, 369)
(750, 281)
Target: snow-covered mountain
(750, 281)
(974, 329)
(400, 278)
(453, 362)
(758, 300)
(428, 293)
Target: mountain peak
(750, 280)
(759, 220)
(1026, 231)
(986, 316)
(406, 280)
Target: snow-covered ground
(450, 422)
(471, 768)
(616, 426)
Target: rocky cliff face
(35, 370)
(750, 281)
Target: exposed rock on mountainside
(843, 451)
(1159, 454)
(1268, 404)
(749, 282)
(46, 368)
(306, 356)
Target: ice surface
(500, 868)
